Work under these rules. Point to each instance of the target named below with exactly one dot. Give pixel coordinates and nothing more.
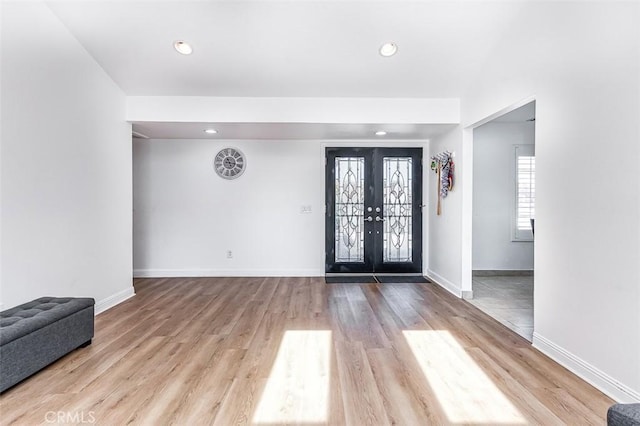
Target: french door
(373, 210)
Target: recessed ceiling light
(183, 47)
(388, 49)
(211, 131)
(381, 133)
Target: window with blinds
(525, 192)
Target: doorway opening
(373, 214)
(503, 218)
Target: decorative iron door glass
(373, 212)
(349, 209)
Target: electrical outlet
(229, 254)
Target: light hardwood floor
(272, 351)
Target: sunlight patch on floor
(465, 392)
(297, 390)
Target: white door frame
(467, 195)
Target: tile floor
(508, 299)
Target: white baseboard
(176, 273)
(113, 300)
(602, 381)
(444, 283)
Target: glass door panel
(349, 209)
(397, 208)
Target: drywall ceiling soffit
(287, 49)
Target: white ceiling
(291, 131)
(288, 48)
(524, 113)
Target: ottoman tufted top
(26, 318)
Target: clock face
(229, 163)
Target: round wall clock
(229, 163)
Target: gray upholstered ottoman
(35, 334)
(624, 415)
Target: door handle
(368, 219)
(379, 219)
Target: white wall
(445, 231)
(66, 166)
(581, 61)
(494, 197)
(186, 218)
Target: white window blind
(525, 192)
